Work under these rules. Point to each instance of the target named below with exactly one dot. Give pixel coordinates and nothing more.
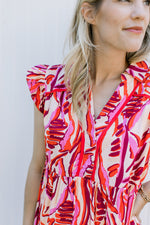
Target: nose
(139, 10)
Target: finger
(137, 219)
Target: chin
(133, 49)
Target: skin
(109, 35)
(35, 169)
(113, 42)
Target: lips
(134, 28)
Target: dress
(92, 177)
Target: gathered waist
(108, 192)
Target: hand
(138, 205)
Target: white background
(32, 32)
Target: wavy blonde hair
(80, 63)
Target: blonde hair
(80, 64)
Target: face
(114, 17)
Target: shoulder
(42, 80)
(146, 81)
(55, 77)
(51, 76)
(141, 72)
(44, 70)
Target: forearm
(31, 195)
(146, 187)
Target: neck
(109, 66)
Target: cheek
(110, 26)
(112, 20)
(117, 16)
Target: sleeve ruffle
(37, 84)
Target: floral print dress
(91, 176)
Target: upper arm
(38, 157)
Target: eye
(147, 3)
(124, 0)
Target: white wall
(32, 32)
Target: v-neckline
(102, 112)
(137, 70)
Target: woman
(92, 153)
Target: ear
(88, 13)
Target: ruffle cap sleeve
(37, 85)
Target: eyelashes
(147, 1)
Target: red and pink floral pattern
(91, 176)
